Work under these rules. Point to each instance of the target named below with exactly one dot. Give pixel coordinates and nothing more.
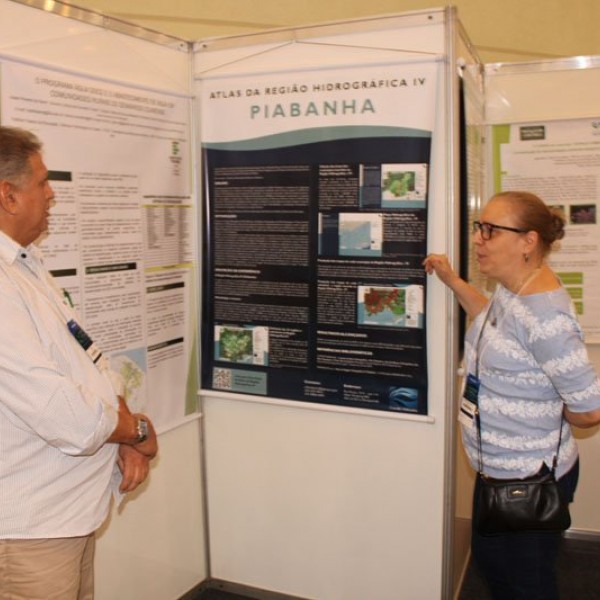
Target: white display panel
(531, 95)
(340, 504)
(90, 62)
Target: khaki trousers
(47, 569)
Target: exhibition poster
(316, 188)
(120, 240)
(560, 162)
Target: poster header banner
(393, 97)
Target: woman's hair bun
(558, 223)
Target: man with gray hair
(67, 439)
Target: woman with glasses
(527, 363)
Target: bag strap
(477, 358)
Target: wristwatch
(142, 431)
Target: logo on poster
(532, 132)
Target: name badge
(468, 405)
(471, 391)
(84, 341)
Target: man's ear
(8, 201)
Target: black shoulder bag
(535, 503)
(531, 504)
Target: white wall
(324, 505)
(153, 546)
(585, 508)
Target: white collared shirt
(57, 408)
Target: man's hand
(134, 467)
(126, 431)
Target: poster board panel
(91, 56)
(344, 324)
(555, 92)
(271, 536)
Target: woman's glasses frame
(486, 229)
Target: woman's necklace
(492, 318)
(526, 280)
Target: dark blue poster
(313, 288)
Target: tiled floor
(578, 573)
(578, 576)
(219, 595)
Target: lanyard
(65, 314)
(480, 335)
(507, 310)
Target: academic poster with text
(316, 193)
(559, 161)
(120, 241)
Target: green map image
(399, 184)
(133, 378)
(236, 344)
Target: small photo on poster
(583, 214)
(360, 234)
(247, 345)
(403, 184)
(390, 306)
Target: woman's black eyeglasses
(486, 229)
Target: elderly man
(67, 439)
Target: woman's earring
(526, 257)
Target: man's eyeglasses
(486, 229)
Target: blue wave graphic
(317, 134)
